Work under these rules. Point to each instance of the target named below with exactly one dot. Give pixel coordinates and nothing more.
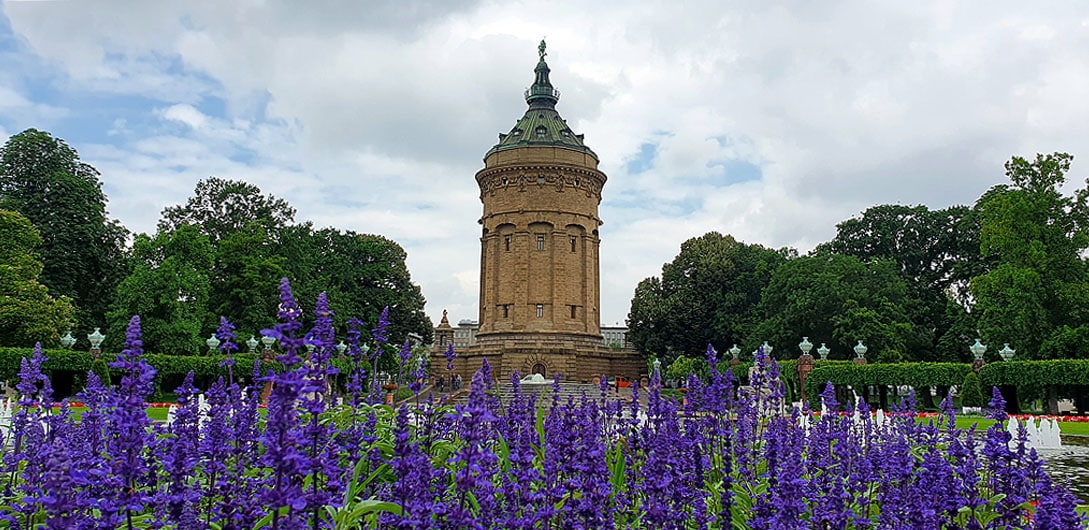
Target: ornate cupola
(541, 124)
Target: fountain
(1043, 434)
(535, 379)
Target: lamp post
(805, 364)
(978, 349)
(767, 348)
(252, 344)
(96, 338)
(823, 351)
(805, 345)
(860, 353)
(657, 367)
(67, 341)
(341, 347)
(1007, 352)
(212, 344)
(267, 341)
(734, 352)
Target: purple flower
(129, 426)
(226, 336)
(450, 355)
(379, 331)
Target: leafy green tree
(838, 300)
(707, 294)
(360, 273)
(28, 314)
(169, 289)
(82, 251)
(243, 226)
(936, 253)
(1036, 235)
(247, 273)
(223, 207)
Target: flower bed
(715, 462)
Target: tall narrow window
(540, 242)
(506, 242)
(573, 311)
(540, 310)
(506, 310)
(572, 244)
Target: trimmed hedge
(897, 374)
(1035, 373)
(170, 369)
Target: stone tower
(539, 264)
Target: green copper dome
(541, 125)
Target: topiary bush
(971, 392)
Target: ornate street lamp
(267, 341)
(251, 343)
(68, 340)
(657, 365)
(1007, 352)
(96, 339)
(734, 352)
(767, 348)
(978, 349)
(805, 345)
(805, 363)
(823, 351)
(860, 350)
(212, 343)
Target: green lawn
(155, 413)
(1077, 428)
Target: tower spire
(541, 94)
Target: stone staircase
(544, 393)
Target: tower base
(575, 358)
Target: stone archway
(537, 364)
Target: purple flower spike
(997, 405)
(226, 336)
(450, 355)
(379, 331)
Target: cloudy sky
(770, 121)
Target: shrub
(971, 392)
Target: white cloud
(376, 120)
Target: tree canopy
(28, 313)
(707, 294)
(1036, 235)
(169, 288)
(82, 251)
(911, 282)
(221, 207)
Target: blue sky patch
(734, 172)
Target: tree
(222, 207)
(837, 300)
(707, 294)
(169, 289)
(82, 251)
(936, 253)
(360, 273)
(28, 314)
(245, 281)
(1036, 235)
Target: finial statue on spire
(541, 49)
